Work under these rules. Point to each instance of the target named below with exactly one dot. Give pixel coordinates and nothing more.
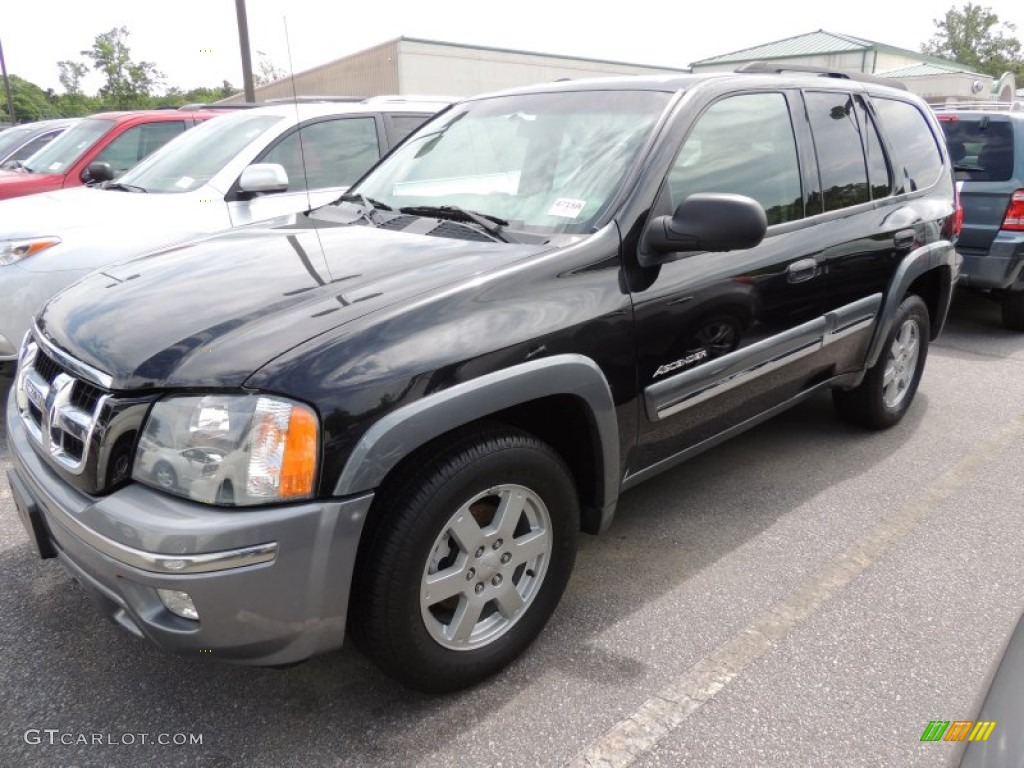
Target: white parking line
(673, 704)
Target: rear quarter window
(981, 148)
(915, 148)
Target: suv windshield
(980, 147)
(61, 153)
(549, 162)
(192, 159)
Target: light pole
(7, 86)
(243, 43)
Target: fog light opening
(179, 603)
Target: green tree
(973, 35)
(128, 83)
(70, 76)
(30, 102)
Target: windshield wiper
(370, 206)
(16, 165)
(124, 187)
(490, 224)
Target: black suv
(394, 414)
(986, 144)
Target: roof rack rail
(404, 98)
(764, 68)
(314, 99)
(214, 105)
(982, 106)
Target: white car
(235, 169)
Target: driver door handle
(802, 270)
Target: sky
(195, 42)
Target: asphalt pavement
(807, 594)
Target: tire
(1013, 310)
(165, 476)
(889, 386)
(445, 517)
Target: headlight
(16, 250)
(235, 450)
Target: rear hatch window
(981, 150)
(980, 146)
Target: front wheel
(465, 559)
(889, 386)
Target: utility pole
(7, 85)
(243, 43)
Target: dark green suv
(986, 145)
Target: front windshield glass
(192, 159)
(549, 162)
(64, 151)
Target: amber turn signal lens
(298, 465)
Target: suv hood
(211, 313)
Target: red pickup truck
(120, 139)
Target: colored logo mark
(958, 730)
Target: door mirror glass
(263, 178)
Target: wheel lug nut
(496, 545)
(496, 580)
(480, 552)
(470, 574)
(506, 557)
(479, 587)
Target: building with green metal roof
(937, 80)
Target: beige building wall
(886, 62)
(372, 72)
(427, 68)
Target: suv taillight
(1014, 218)
(954, 223)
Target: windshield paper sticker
(567, 208)
(184, 182)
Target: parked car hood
(14, 183)
(210, 313)
(101, 226)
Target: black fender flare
(918, 262)
(409, 427)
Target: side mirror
(704, 222)
(97, 172)
(263, 178)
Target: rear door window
(981, 148)
(837, 143)
(912, 141)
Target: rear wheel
(165, 476)
(1013, 310)
(466, 558)
(889, 386)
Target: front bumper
(998, 268)
(271, 585)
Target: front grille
(82, 427)
(60, 409)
